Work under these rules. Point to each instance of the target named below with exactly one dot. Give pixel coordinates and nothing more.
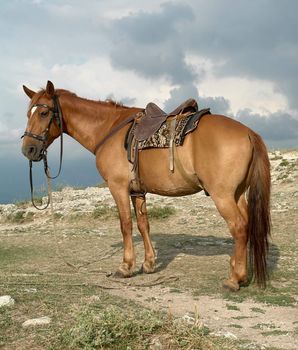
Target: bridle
(58, 117)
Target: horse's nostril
(31, 150)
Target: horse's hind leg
(139, 204)
(236, 220)
(242, 205)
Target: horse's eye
(43, 114)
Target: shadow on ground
(169, 246)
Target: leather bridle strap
(56, 114)
(115, 130)
(31, 185)
(58, 111)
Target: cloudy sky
(238, 57)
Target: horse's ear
(50, 89)
(28, 92)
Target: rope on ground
(49, 181)
(109, 254)
(97, 285)
(158, 281)
(57, 250)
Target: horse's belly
(172, 191)
(155, 173)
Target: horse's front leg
(121, 197)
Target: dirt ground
(193, 248)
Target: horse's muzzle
(33, 152)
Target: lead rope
(50, 200)
(44, 156)
(31, 183)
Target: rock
(156, 344)
(41, 321)
(188, 319)
(224, 334)
(6, 300)
(30, 290)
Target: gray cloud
(153, 28)
(51, 32)
(178, 95)
(217, 104)
(147, 43)
(255, 39)
(277, 126)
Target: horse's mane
(64, 92)
(108, 101)
(113, 103)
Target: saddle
(153, 128)
(153, 117)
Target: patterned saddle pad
(184, 124)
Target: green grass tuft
(257, 309)
(232, 307)
(235, 325)
(284, 163)
(5, 324)
(275, 332)
(111, 329)
(276, 299)
(16, 217)
(161, 212)
(104, 211)
(114, 328)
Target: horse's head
(44, 122)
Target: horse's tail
(259, 221)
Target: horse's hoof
(244, 283)
(123, 271)
(231, 286)
(148, 267)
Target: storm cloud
(277, 126)
(147, 43)
(250, 40)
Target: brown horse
(221, 156)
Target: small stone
(37, 321)
(188, 319)
(224, 334)
(30, 290)
(155, 344)
(251, 346)
(6, 300)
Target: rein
(58, 116)
(114, 130)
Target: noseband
(58, 117)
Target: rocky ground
(192, 245)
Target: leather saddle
(153, 117)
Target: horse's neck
(88, 122)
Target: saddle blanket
(184, 124)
